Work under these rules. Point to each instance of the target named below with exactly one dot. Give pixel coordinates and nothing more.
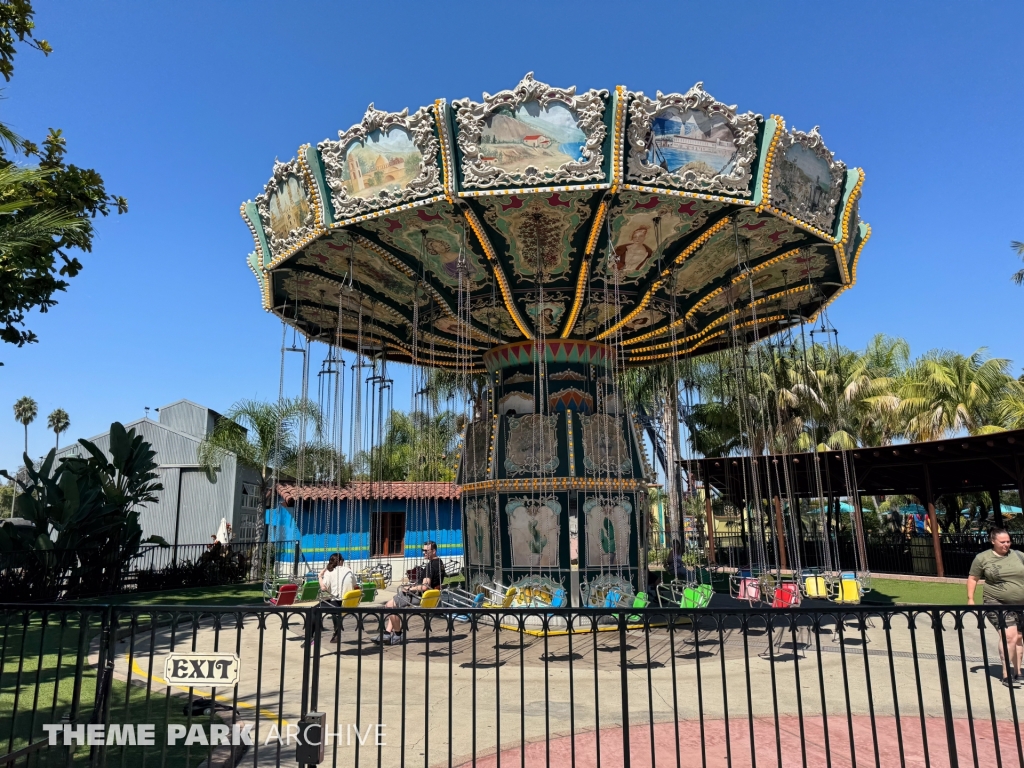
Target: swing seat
(548, 600)
(640, 601)
(786, 596)
(310, 591)
(501, 601)
(429, 599)
(459, 598)
(815, 586)
(285, 595)
(697, 597)
(746, 588)
(351, 598)
(369, 590)
(612, 598)
(848, 590)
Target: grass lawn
(901, 592)
(229, 594)
(38, 680)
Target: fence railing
(896, 554)
(39, 576)
(730, 687)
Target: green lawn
(901, 592)
(229, 594)
(38, 682)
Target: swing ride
(534, 247)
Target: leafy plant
(84, 521)
(537, 542)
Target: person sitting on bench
(337, 579)
(429, 576)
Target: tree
(1018, 247)
(58, 422)
(44, 211)
(84, 520)
(25, 411)
(948, 393)
(261, 436)
(416, 447)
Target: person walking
(337, 579)
(1002, 569)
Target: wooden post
(781, 540)
(940, 569)
(709, 515)
(997, 508)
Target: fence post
(295, 561)
(624, 682)
(947, 706)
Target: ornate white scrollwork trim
(642, 113)
(472, 117)
(282, 172)
(420, 127)
(821, 216)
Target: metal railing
(730, 687)
(894, 554)
(62, 574)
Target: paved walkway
(447, 695)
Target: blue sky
(183, 107)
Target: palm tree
(59, 422)
(25, 411)
(947, 392)
(261, 436)
(1018, 277)
(20, 229)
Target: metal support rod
(997, 508)
(940, 569)
(709, 514)
(177, 520)
(781, 540)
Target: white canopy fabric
(222, 532)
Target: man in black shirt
(430, 575)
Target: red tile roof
(361, 489)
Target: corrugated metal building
(191, 505)
(368, 522)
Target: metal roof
(960, 465)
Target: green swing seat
(697, 597)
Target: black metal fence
(905, 555)
(48, 575)
(654, 687)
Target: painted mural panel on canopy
(339, 254)
(804, 177)
(808, 264)
(449, 325)
(692, 140)
(498, 321)
(752, 237)
(381, 161)
(649, 318)
(600, 312)
(288, 206)
(309, 287)
(532, 136)
(540, 230)
(546, 312)
(643, 224)
(431, 234)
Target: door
(388, 534)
